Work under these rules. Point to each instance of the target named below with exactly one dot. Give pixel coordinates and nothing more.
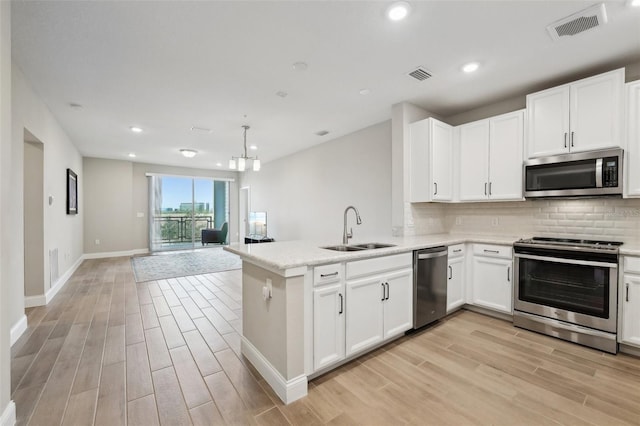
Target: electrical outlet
(495, 221)
(458, 220)
(97, 242)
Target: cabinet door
(419, 180)
(631, 310)
(474, 161)
(398, 304)
(442, 161)
(597, 112)
(506, 138)
(492, 283)
(328, 325)
(364, 313)
(548, 122)
(455, 284)
(632, 154)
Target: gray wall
(305, 194)
(33, 218)
(117, 190)
(5, 152)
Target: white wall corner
(9, 415)
(105, 255)
(18, 329)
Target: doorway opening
(33, 217)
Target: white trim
(192, 177)
(9, 415)
(18, 328)
(287, 390)
(115, 254)
(44, 299)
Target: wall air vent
(577, 23)
(420, 74)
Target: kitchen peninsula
(278, 282)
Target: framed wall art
(72, 192)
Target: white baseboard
(106, 254)
(287, 390)
(8, 417)
(18, 328)
(43, 299)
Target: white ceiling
(167, 66)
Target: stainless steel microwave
(581, 174)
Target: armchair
(217, 236)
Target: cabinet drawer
(379, 264)
(456, 250)
(491, 250)
(326, 274)
(632, 264)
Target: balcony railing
(177, 229)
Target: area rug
(171, 265)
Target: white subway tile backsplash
(602, 218)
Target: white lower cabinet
(630, 302)
(380, 303)
(328, 315)
(492, 277)
(455, 278)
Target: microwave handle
(599, 173)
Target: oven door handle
(569, 261)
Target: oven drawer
(492, 250)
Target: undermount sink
(368, 246)
(358, 247)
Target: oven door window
(576, 288)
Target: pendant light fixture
(240, 163)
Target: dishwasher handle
(432, 255)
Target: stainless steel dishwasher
(429, 285)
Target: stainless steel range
(568, 289)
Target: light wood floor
(106, 351)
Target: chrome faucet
(346, 235)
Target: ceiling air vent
(322, 133)
(420, 74)
(577, 23)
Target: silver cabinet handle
(565, 139)
(490, 188)
(509, 274)
(457, 250)
(485, 188)
(491, 251)
(627, 292)
(572, 139)
(450, 272)
(388, 292)
(435, 188)
(341, 304)
(333, 274)
(384, 292)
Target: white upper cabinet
(491, 158)
(431, 161)
(580, 116)
(632, 154)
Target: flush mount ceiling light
(471, 67)
(189, 153)
(135, 129)
(132, 154)
(241, 162)
(398, 11)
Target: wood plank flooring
(108, 351)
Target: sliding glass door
(182, 207)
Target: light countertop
(292, 254)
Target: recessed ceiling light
(218, 164)
(398, 11)
(364, 92)
(132, 154)
(189, 153)
(300, 66)
(253, 147)
(135, 129)
(282, 94)
(471, 67)
(634, 3)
